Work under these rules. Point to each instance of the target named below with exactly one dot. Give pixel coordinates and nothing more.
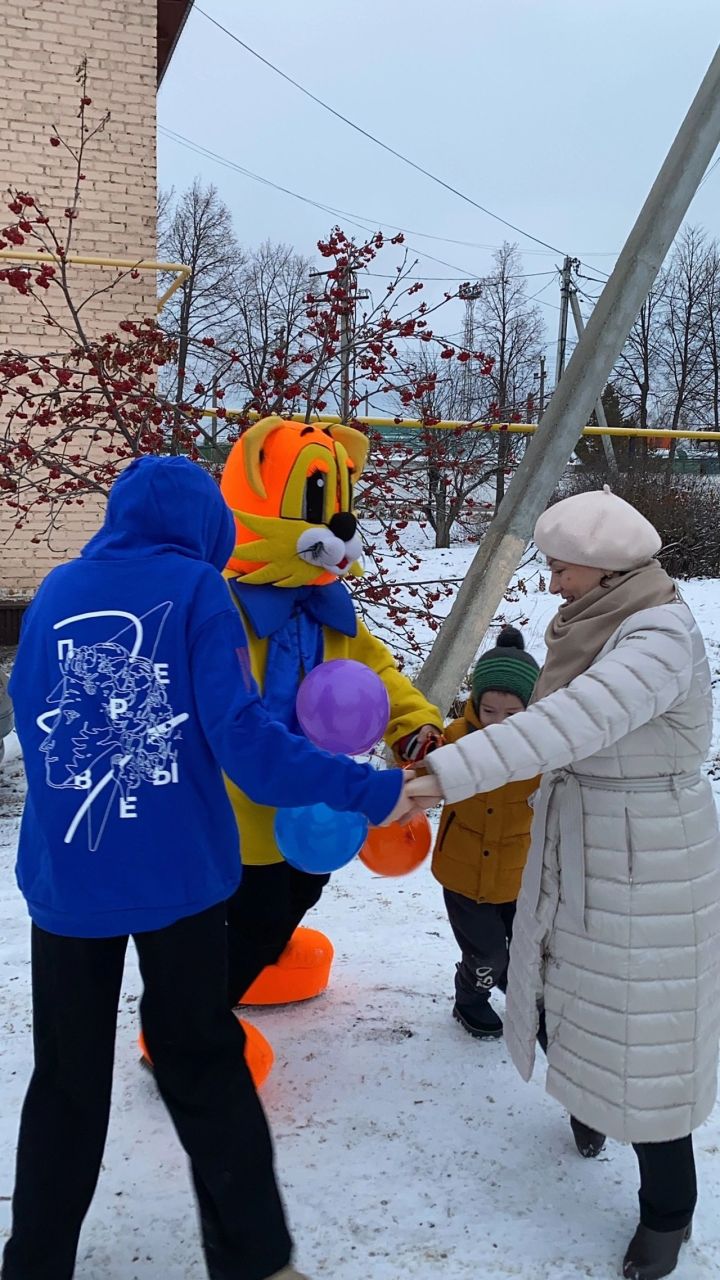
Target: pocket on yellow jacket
(482, 843)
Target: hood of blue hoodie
(165, 505)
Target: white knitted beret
(599, 530)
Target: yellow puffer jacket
(409, 710)
(482, 843)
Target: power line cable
(600, 271)
(389, 275)
(533, 296)
(352, 218)
(708, 174)
(710, 171)
(378, 141)
(462, 277)
(592, 279)
(529, 275)
(588, 297)
(201, 150)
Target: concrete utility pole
(565, 290)
(572, 402)
(599, 407)
(541, 392)
(469, 294)
(347, 342)
(349, 281)
(347, 336)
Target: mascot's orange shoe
(302, 972)
(258, 1053)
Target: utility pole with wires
(541, 389)
(469, 294)
(352, 295)
(566, 285)
(347, 329)
(347, 341)
(569, 302)
(599, 406)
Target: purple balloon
(343, 706)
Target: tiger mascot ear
(355, 444)
(252, 444)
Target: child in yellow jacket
(482, 843)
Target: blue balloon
(317, 839)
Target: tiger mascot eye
(290, 487)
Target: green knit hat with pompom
(505, 669)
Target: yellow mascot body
(290, 487)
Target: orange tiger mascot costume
(290, 488)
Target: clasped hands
(419, 792)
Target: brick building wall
(42, 44)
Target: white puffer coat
(618, 922)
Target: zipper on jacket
(628, 841)
(449, 823)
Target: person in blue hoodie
(128, 709)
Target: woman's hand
(405, 806)
(424, 791)
(418, 793)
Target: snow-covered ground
(405, 1148)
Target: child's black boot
(483, 1023)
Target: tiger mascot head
(290, 488)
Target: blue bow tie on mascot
(290, 487)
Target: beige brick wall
(41, 44)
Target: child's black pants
(482, 931)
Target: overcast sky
(555, 114)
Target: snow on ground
(405, 1148)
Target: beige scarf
(580, 630)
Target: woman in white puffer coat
(617, 934)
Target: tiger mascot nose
(343, 525)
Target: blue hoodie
(132, 690)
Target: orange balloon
(258, 1053)
(399, 848)
(301, 973)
